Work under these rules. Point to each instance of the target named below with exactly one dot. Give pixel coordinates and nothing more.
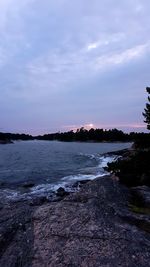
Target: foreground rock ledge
(90, 228)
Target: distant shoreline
(5, 142)
(81, 135)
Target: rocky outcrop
(92, 227)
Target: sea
(48, 165)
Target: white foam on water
(46, 188)
(80, 177)
(92, 172)
(8, 194)
(89, 173)
(91, 156)
(104, 160)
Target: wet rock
(2, 184)
(123, 152)
(80, 183)
(61, 192)
(28, 185)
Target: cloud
(73, 55)
(106, 40)
(124, 127)
(124, 56)
(92, 45)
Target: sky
(67, 64)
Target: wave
(91, 173)
(42, 190)
(67, 182)
(104, 160)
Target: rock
(2, 184)
(91, 227)
(61, 192)
(16, 229)
(141, 196)
(144, 180)
(79, 184)
(37, 201)
(28, 185)
(122, 152)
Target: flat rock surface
(90, 228)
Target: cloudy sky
(66, 64)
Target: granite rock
(92, 227)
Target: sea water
(47, 165)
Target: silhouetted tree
(146, 112)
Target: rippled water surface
(53, 163)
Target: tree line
(95, 135)
(15, 136)
(83, 135)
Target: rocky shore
(100, 225)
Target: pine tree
(146, 112)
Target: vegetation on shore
(96, 135)
(7, 137)
(83, 135)
(134, 169)
(146, 112)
